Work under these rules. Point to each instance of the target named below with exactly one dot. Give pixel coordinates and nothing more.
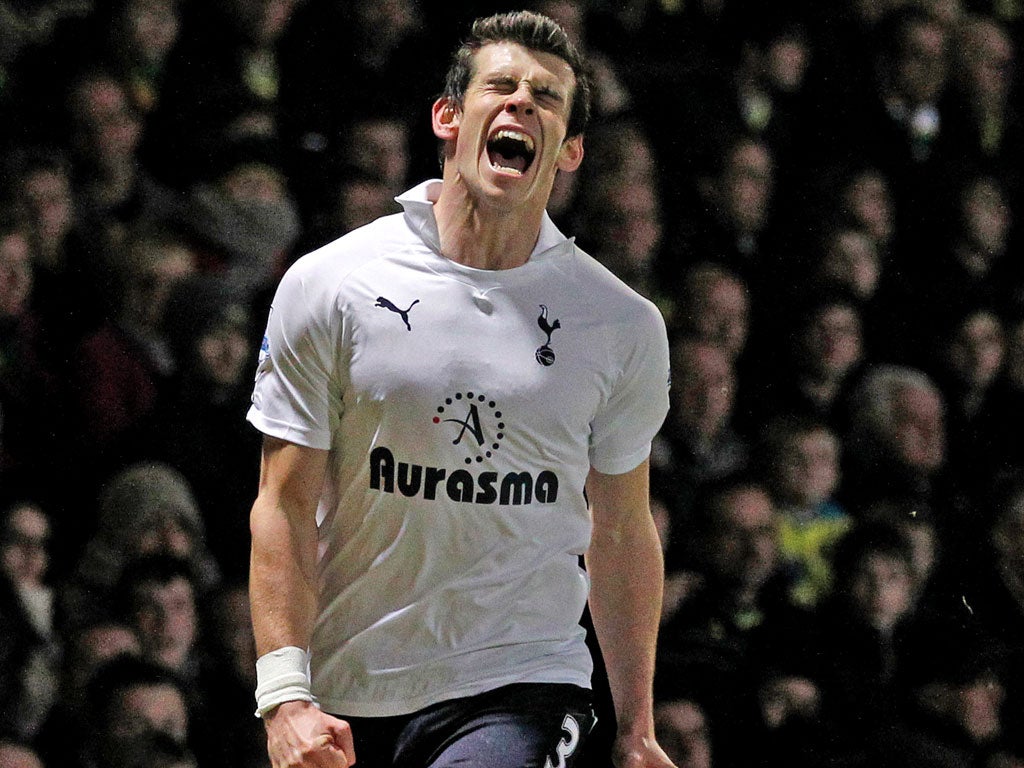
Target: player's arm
(627, 575)
(283, 594)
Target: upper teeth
(516, 136)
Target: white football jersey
(462, 409)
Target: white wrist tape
(282, 675)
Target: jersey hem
(285, 431)
(341, 708)
(622, 464)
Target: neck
(483, 235)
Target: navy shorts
(527, 725)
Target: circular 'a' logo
(476, 421)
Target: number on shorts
(566, 747)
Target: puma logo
(403, 313)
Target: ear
(570, 155)
(445, 118)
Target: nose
(521, 101)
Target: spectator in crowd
(378, 145)
(623, 152)
(682, 731)
(72, 276)
(622, 157)
(824, 360)
(850, 262)
(195, 425)
(711, 641)
(956, 691)
(972, 265)
(138, 36)
(801, 457)
(157, 600)
(124, 365)
(897, 441)
(611, 97)
(29, 410)
(132, 702)
(989, 125)
(112, 189)
(969, 365)
(916, 524)
(861, 636)
(984, 589)
(244, 220)
(714, 306)
(60, 740)
(732, 222)
(15, 755)
(377, 44)
(698, 443)
(898, 125)
(866, 198)
(361, 198)
(30, 35)
(29, 646)
(147, 508)
(760, 93)
(1003, 452)
(222, 82)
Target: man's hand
(299, 735)
(639, 752)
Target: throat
(485, 237)
(485, 228)
(486, 248)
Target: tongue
(517, 162)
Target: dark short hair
(159, 569)
(709, 504)
(890, 32)
(530, 30)
(120, 674)
(875, 537)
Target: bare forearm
(282, 578)
(626, 572)
(283, 564)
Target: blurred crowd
(821, 197)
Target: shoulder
(607, 295)
(321, 273)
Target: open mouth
(510, 152)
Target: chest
(487, 368)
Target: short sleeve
(622, 431)
(296, 397)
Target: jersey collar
(418, 204)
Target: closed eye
(509, 84)
(548, 95)
(503, 84)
